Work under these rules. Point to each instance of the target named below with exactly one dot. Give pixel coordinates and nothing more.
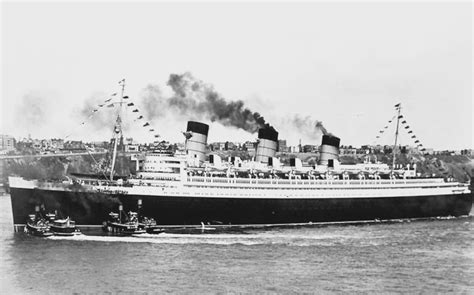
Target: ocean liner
(195, 188)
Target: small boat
(131, 223)
(51, 216)
(128, 227)
(64, 227)
(204, 227)
(146, 223)
(38, 226)
(149, 225)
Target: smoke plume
(194, 98)
(96, 113)
(312, 129)
(32, 110)
(153, 102)
(319, 126)
(102, 118)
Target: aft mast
(398, 107)
(117, 130)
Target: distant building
(282, 145)
(249, 146)
(37, 145)
(294, 149)
(429, 151)
(310, 148)
(7, 143)
(56, 144)
(24, 145)
(132, 148)
(230, 146)
(377, 149)
(362, 152)
(180, 146)
(129, 140)
(347, 151)
(215, 146)
(387, 149)
(73, 146)
(100, 144)
(467, 152)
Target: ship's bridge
(158, 165)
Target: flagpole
(117, 131)
(396, 136)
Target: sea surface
(428, 256)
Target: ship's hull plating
(93, 208)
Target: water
(431, 256)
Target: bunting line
(385, 127)
(416, 141)
(140, 117)
(407, 127)
(93, 112)
(108, 103)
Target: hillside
(58, 167)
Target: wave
(216, 239)
(302, 236)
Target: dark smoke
(312, 129)
(319, 125)
(152, 102)
(194, 98)
(103, 118)
(43, 168)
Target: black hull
(93, 208)
(38, 231)
(63, 230)
(123, 228)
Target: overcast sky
(345, 64)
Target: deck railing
(265, 182)
(314, 182)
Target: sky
(345, 64)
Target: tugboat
(64, 227)
(37, 225)
(147, 224)
(128, 227)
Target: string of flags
(404, 122)
(95, 110)
(385, 127)
(107, 103)
(140, 117)
(416, 141)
